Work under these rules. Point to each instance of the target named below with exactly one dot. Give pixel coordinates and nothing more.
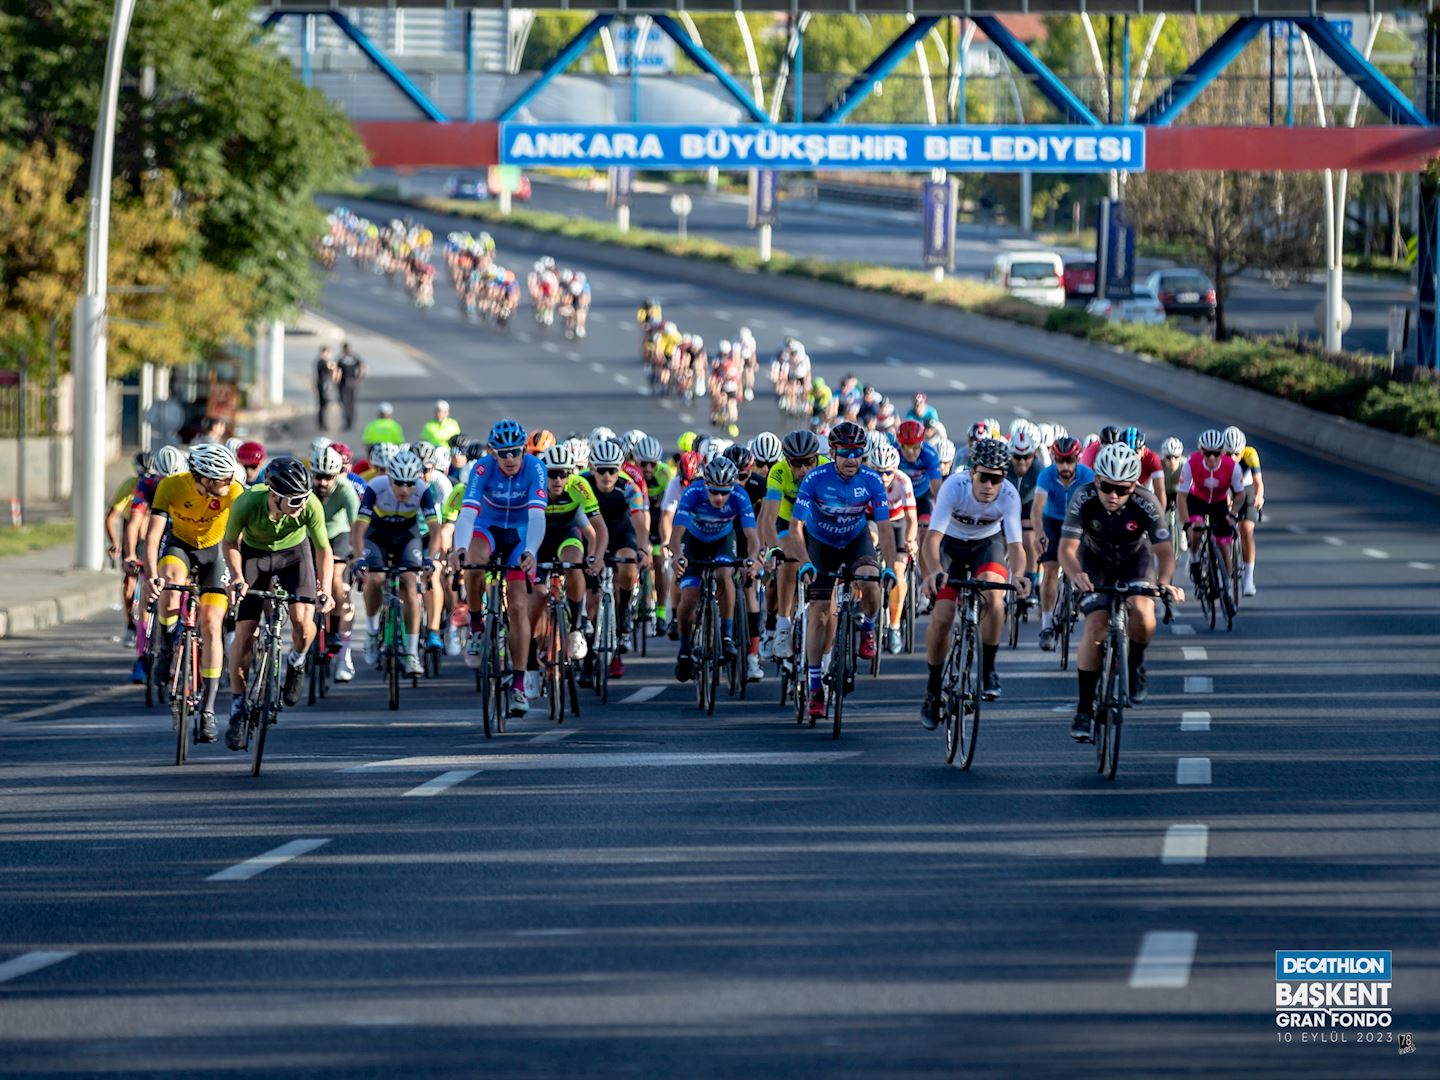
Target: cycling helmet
(686, 442)
(714, 448)
(382, 455)
(1212, 439)
(873, 440)
(648, 448)
(688, 466)
(885, 457)
(232, 444)
(212, 461)
(430, 455)
(1061, 431)
(1234, 440)
(327, 462)
(458, 441)
(1022, 442)
(937, 434)
(720, 473)
(250, 453)
(288, 476)
(1172, 447)
(343, 449)
(601, 434)
(766, 447)
(1047, 434)
(474, 450)
(607, 454)
(978, 430)
(946, 449)
(1134, 438)
(990, 454)
(539, 441)
(144, 463)
(318, 443)
(506, 435)
(405, 468)
(740, 455)
(799, 445)
(1118, 463)
(628, 439)
(1091, 439)
(170, 461)
(1110, 433)
(911, 433)
(725, 347)
(1065, 448)
(697, 343)
(993, 426)
(559, 458)
(846, 434)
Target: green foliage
(1408, 409)
(550, 31)
(37, 537)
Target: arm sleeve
(1072, 528)
(315, 523)
(367, 506)
(465, 528)
(1185, 480)
(427, 505)
(670, 501)
(351, 499)
(1237, 479)
(535, 529)
(944, 503)
(747, 512)
(1010, 524)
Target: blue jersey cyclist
(921, 463)
(830, 529)
(703, 531)
(1057, 482)
(503, 518)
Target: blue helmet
(506, 435)
(1134, 438)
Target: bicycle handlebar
(977, 584)
(1130, 588)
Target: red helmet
(911, 433)
(250, 454)
(688, 466)
(343, 450)
(1066, 448)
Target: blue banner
(940, 205)
(764, 198)
(890, 147)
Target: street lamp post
(88, 344)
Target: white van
(1037, 276)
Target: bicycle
(392, 632)
(1064, 615)
(962, 681)
(1114, 692)
(1017, 610)
(910, 609)
(607, 637)
(844, 654)
(707, 648)
(1207, 571)
(318, 670)
(262, 684)
(491, 677)
(642, 612)
(183, 682)
(558, 678)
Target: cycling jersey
(451, 510)
(902, 495)
(924, 470)
(664, 473)
(196, 519)
(1114, 537)
(1204, 484)
(707, 522)
(959, 514)
(781, 486)
(833, 508)
(388, 513)
(617, 504)
(575, 495)
(341, 509)
(1249, 465)
(505, 501)
(755, 487)
(250, 520)
(123, 499)
(1057, 494)
(144, 494)
(1025, 485)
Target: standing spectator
(211, 431)
(327, 384)
(352, 374)
(439, 431)
(384, 428)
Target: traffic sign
(681, 204)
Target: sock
(518, 681)
(169, 621)
(867, 623)
(1047, 620)
(684, 644)
(660, 611)
(769, 620)
(782, 624)
(987, 658)
(372, 623)
(727, 628)
(816, 677)
(622, 603)
(1137, 654)
(932, 686)
(754, 649)
(573, 607)
(477, 622)
(412, 642)
(210, 686)
(297, 660)
(1089, 680)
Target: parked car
(1143, 306)
(521, 193)
(1079, 278)
(1184, 292)
(467, 186)
(1037, 276)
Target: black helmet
(990, 454)
(847, 433)
(474, 449)
(287, 476)
(458, 440)
(144, 463)
(1108, 434)
(800, 445)
(741, 455)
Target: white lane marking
(1334, 541)
(1185, 844)
(72, 703)
(1298, 530)
(1199, 720)
(859, 350)
(645, 693)
(643, 391)
(622, 379)
(1199, 684)
(827, 342)
(1195, 652)
(549, 346)
(1375, 553)
(597, 316)
(597, 367)
(925, 373)
(610, 761)
(1164, 960)
(893, 361)
(552, 736)
(25, 963)
(759, 322)
(666, 403)
(956, 384)
(686, 419)
(244, 871)
(1181, 628)
(1020, 411)
(1421, 566)
(573, 357)
(522, 335)
(724, 316)
(1192, 770)
(628, 293)
(441, 782)
(989, 399)
(790, 331)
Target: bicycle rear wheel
(180, 702)
(1012, 619)
(715, 652)
(1064, 620)
(1108, 746)
(483, 677)
(261, 719)
(971, 696)
(842, 657)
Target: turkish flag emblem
(214, 504)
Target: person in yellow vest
(439, 431)
(384, 428)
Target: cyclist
(1108, 434)
(687, 470)
(1114, 532)
(275, 530)
(387, 533)
(1054, 487)
(704, 530)
(1209, 481)
(503, 517)
(753, 480)
(342, 507)
(1172, 460)
(974, 533)
(625, 509)
(188, 512)
(921, 463)
(946, 451)
(440, 485)
(120, 509)
(885, 460)
(829, 531)
(250, 455)
(1152, 469)
(800, 452)
(1023, 475)
(656, 472)
(1251, 502)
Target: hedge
(1286, 369)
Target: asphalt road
(647, 891)
(892, 238)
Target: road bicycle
(493, 677)
(182, 685)
(910, 609)
(962, 680)
(319, 667)
(1064, 615)
(1114, 690)
(392, 632)
(707, 649)
(262, 683)
(559, 680)
(845, 651)
(1212, 583)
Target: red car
(1079, 278)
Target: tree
(244, 143)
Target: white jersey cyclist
(960, 515)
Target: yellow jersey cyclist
(121, 545)
(1248, 506)
(276, 530)
(433, 475)
(800, 452)
(341, 503)
(188, 513)
(657, 473)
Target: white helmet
(697, 343)
(766, 447)
(607, 454)
(170, 461)
(1234, 440)
(885, 456)
(938, 434)
(1022, 442)
(946, 450)
(648, 448)
(1172, 447)
(326, 461)
(214, 461)
(382, 455)
(873, 441)
(1116, 462)
(560, 457)
(628, 439)
(233, 443)
(1060, 432)
(1092, 438)
(1047, 435)
(714, 448)
(1016, 424)
(580, 451)
(320, 442)
(405, 468)
(601, 434)
(725, 347)
(1212, 439)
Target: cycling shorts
(402, 549)
(828, 560)
(293, 566)
(1135, 569)
(696, 550)
(1218, 515)
(204, 566)
(971, 558)
(1052, 539)
(561, 534)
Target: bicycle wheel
(742, 641)
(716, 651)
(392, 676)
(260, 720)
(483, 676)
(180, 702)
(908, 612)
(1012, 619)
(1108, 751)
(605, 640)
(1064, 620)
(312, 676)
(327, 673)
(699, 658)
(841, 657)
(950, 701)
(1228, 607)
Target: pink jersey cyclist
(1211, 485)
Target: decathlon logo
(1333, 996)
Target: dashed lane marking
(1198, 720)
(1374, 553)
(826, 342)
(723, 316)
(1164, 960)
(989, 399)
(1334, 541)
(75, 703)
(244, 871)
(1298, 530)
(1185, 844)
(607, 761)
(597, 367)
(1195, 652)
(645, 693)
(1020, 411)
(859, 350)
(1421, 566)
(1192, 771)
(925, 373)
(29, 962)
(552, 736)
(573, 357)
(956, 384)
(1182, 629)
(893, 361)
(441, 783)
(1199, 684)
(622, 379)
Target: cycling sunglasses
(989, 478)
(848, 452)
(607, 471)
(512, 452)
(293, 502)
(718, 490)
(1114, 489)
(802, 463)
(1211, 453)
(558, 474)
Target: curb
(1413, 462)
